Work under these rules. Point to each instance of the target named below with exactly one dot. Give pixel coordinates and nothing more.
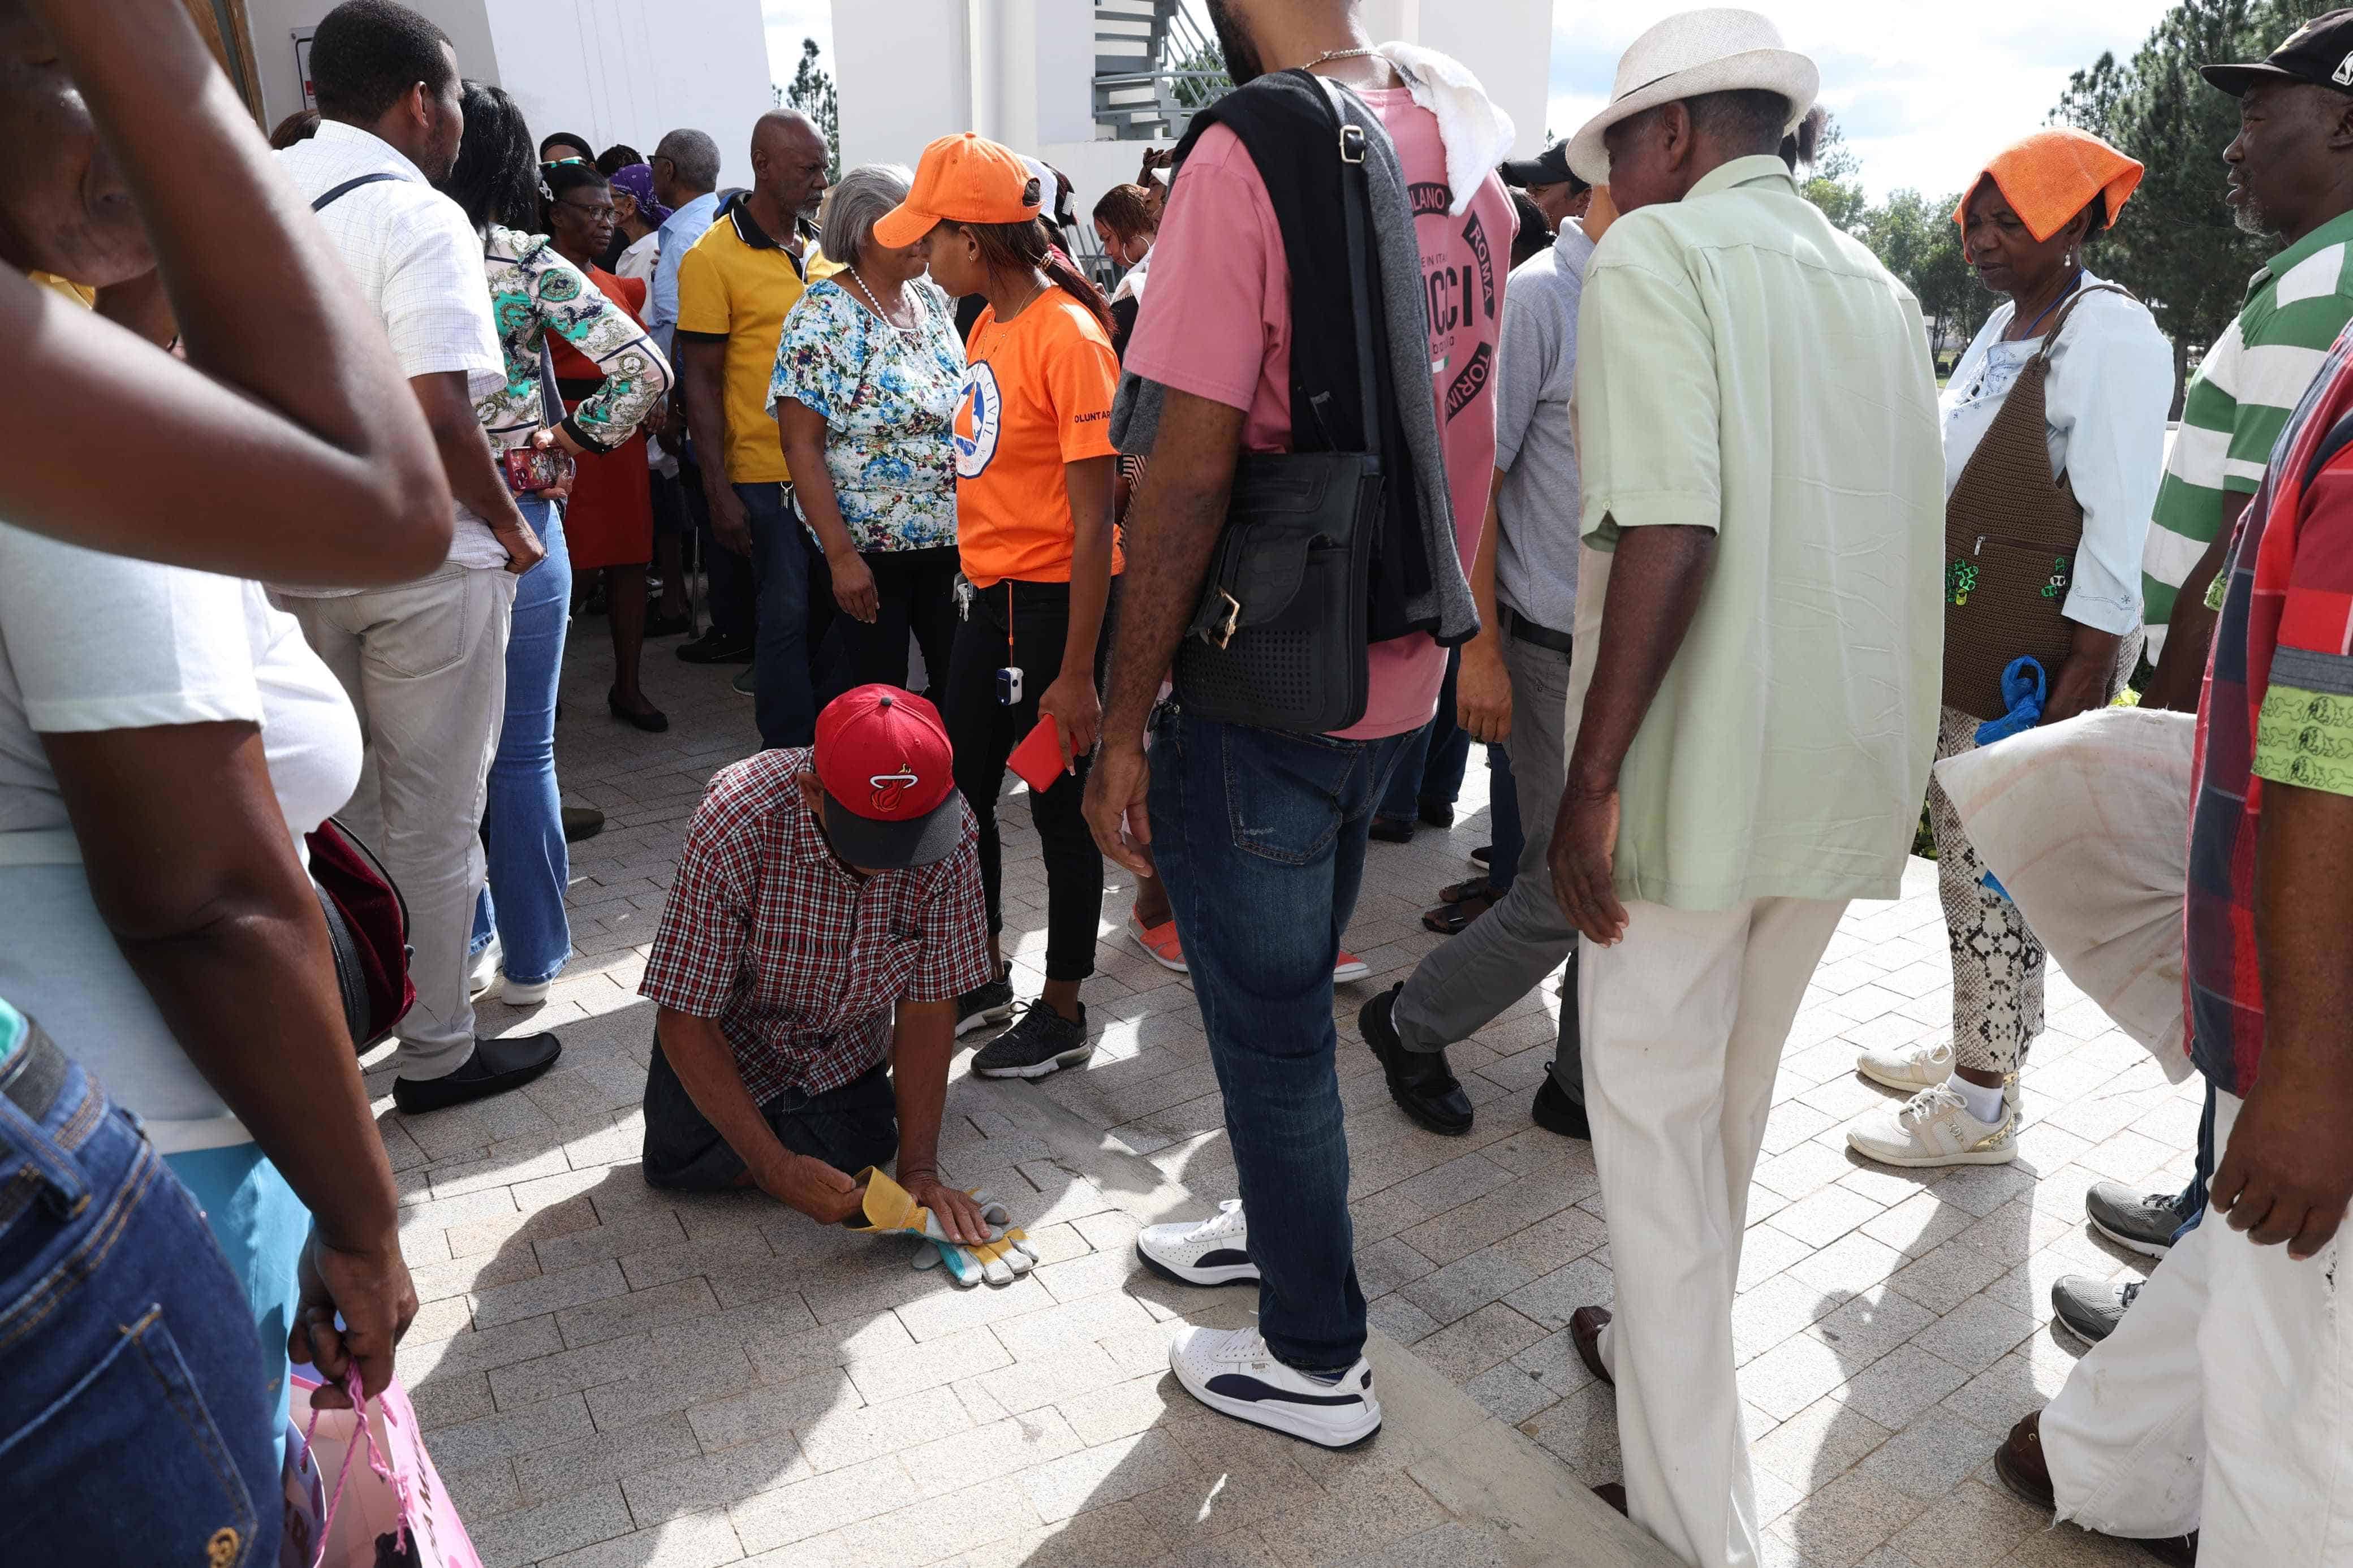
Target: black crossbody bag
(1278, 638)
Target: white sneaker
(1935, 1127)
(1908, 1066)
(1214, 1251)
(1232, 1372)
(515, 993)
(483, 975)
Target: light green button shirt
(1746, 367)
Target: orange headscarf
(2053, 174)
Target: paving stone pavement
(612, 1378)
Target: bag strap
(1356, 204)
(348, 187)
(2050, 338)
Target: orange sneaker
(1350, 967)
(1159, 941)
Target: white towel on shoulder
(1477, 134)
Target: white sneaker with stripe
(1232, 1372)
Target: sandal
(1469, 888)
(1453, 919)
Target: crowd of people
(1621, 461)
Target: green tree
(812, 93)
(1834, 184)
(2175, 244)
(1917, 240)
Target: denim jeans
(785, 704)
(522, 900)
(1510, 838)
(1260, 836)
(1435, 757)
(134, 1428)
(849, 1127)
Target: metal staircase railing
(1154, 65)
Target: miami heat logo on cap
(890, 789)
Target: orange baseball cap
(965, 178)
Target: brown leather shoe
(1585, 1326)
(2022, 1468)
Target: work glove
(889, 1207)
(999, 1261)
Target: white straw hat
(1695, 52)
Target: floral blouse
(887, 401)
(534, 291)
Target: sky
(1924, 93)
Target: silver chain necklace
(911, 334)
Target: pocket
(433, 629)
(133, 1458)
(1282, 791)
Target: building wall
(612, 70)
(904, 75)
(628, 70)
(273, 23)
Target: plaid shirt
(2278, 707)
(801, 963)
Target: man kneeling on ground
(826, 915)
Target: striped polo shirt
(2239, 401)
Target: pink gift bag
(388, 1510)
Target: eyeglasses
(605, 210)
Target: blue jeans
(785, 704)
(134, 1428)
(1504, 821)
(522, 900)
(1437, 755)
(1260, 836)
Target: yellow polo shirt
(736, 285)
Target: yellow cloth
(738, 284)
(81, 294)
(2053, 174)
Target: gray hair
(857, 202)
(694, 156)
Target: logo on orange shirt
(979, 416)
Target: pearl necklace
(911, 334)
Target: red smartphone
(530, 469)
(1039, 758)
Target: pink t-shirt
(1217, 323)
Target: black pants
(915, 590)
(849, 1127)
(728, 574)
(984, 731)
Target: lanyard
(2072, 284)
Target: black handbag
(1278, 638)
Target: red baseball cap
(884, 758)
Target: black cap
(1549, 167)
(2320, 53)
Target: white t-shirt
(638, 260)
(91, 642)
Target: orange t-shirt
(1037, 395)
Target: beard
(2249, 219)
(1242, 62)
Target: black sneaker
(1420, 1081)
(2143, 1223)
(712, 648)
(1555, 1113)
(985, 1005)
(1042, 1043)
(497, 1066)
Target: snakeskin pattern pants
(1998, 964)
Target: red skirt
(610, 521)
